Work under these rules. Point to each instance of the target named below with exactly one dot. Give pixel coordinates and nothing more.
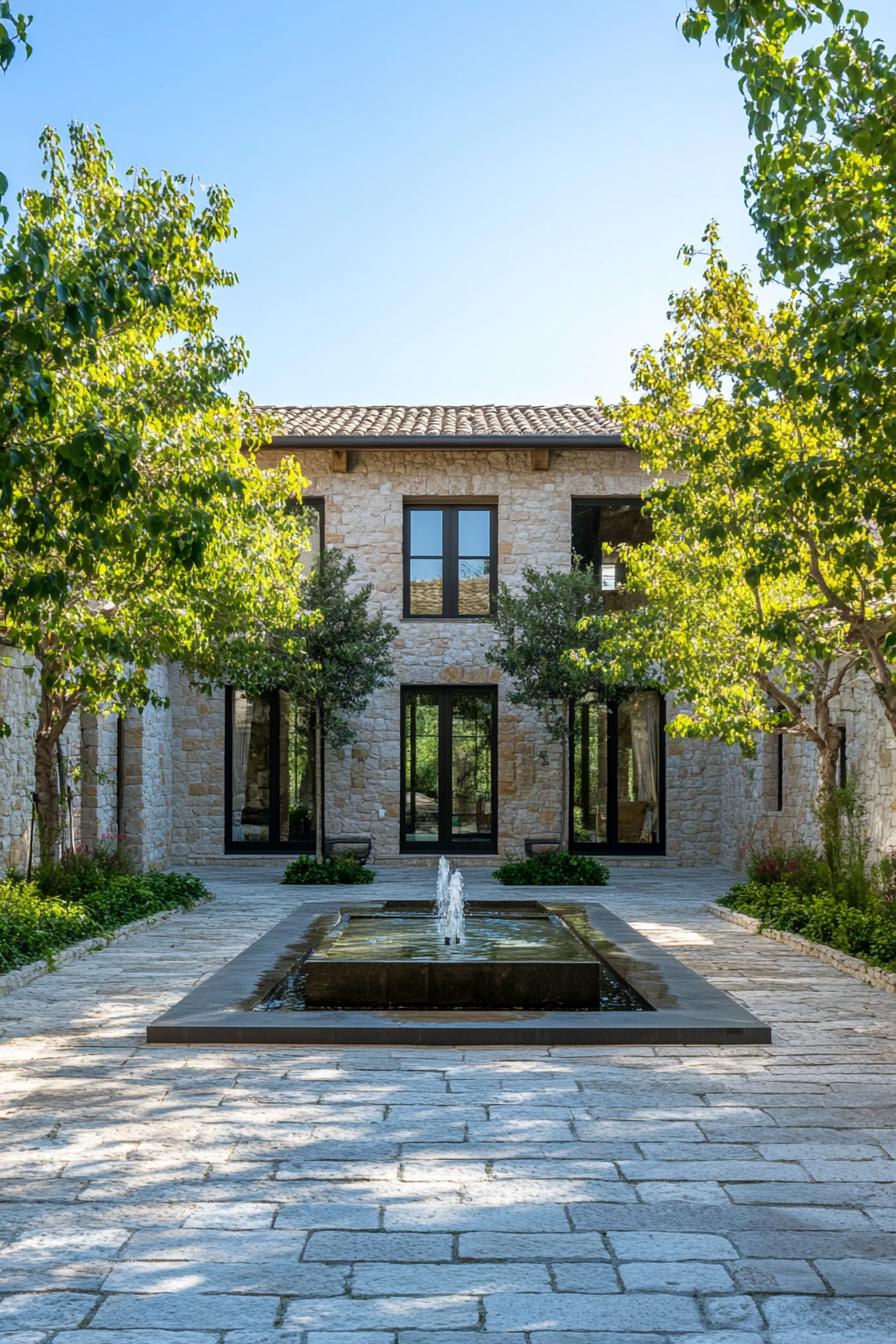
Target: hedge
(35, 925)
(820, 917)
(553, 870)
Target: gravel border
(24, 975)
(841, 961)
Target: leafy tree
(333, 662)
(821, 188)
(538, 631)
(758, 608)
(136, 525)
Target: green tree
(136, 524)
(539, 629)
(332, 663)
(820, 185)
(758, 608)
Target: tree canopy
(333, 661)
(820, 184)
(138, 526)
(766, 586)
(538, 630)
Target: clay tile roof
(441, 422)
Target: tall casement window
(450, 559)
(269, 775)
(269, 756)
(314, 508)
(600, 528)
(617, 772)
(449, 769)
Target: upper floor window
(313, 509)
(600, 528)
(450, 559)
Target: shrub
(800, 867)
(553, 870)
(35, 925)
(819, 916)
(883, 879)
(79, 872)
(342, 869)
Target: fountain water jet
(450, 904)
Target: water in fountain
(443, 877)
(450, 903)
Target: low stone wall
(841, 961)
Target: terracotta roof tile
(441, 422)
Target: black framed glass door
(449, 752)
(617, 769)
(269, 773)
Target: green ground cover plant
(83, 897)
(341, 869)
(821, 917)
(553, 870)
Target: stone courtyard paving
(170, 1195)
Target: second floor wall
(364, 515)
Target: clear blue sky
(437, 200)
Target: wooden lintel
(339, 459)
(540, 459)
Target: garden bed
(79, 905)
(831, 956)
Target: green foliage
(34, 925)
(798, 866)
(135, 523)
(844, 839)
(883, 879)
(870, 934)
(339, 869)
(821, 188)
(13, 29)
(332, 660)
(80, 872)
(754, 601)
(537, 629)
(553, 870)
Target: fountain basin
(526, 958)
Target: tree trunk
(564, 793)
(46, 784)
(318, 785)
(826, 806)
(54, 711)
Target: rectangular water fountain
(484, 972)
(524, 958)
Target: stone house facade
(437, 505)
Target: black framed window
(314, 508)
(617, 769)
(600, 528)
(269, 773)
(449, 769)
(450, 559)
(842, 773)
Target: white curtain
(242, 729)
(644, 719)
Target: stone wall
(750, 818)
(718, 806)
(363, 516)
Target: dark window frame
(598, 502)
(614, 846)
(779, 773)
(445, 844)
(269, 846)
(842, 772)
(450, 558)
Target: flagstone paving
(649, 1195)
